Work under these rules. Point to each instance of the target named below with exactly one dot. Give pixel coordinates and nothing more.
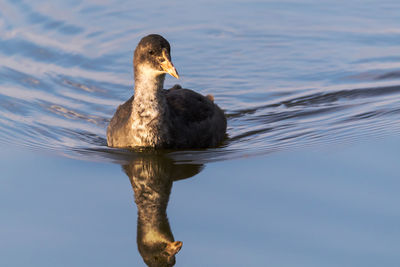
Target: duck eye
(151, 52)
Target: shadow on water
(152, 174)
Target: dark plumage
(155, 117)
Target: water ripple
(282, 86)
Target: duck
(155, 117)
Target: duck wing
(195, 120)
(118, 129)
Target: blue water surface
(308, 175)
(336, 207)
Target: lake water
(309, 174)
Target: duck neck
(150, 107)
(148, 84)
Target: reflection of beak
(171, 249)
(178, 245)
(167, 65)
(174, 247)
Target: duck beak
(167, 65)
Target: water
(287, 74)
(291, 76)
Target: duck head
(153, 57)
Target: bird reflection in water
(151, 175)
